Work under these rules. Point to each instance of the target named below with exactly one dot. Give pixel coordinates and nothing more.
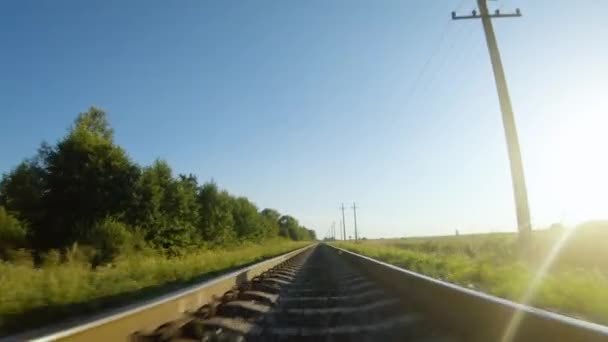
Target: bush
(12, 232)
(20, 257)
(80, 254)
(51, 258)
(111, 238)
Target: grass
(32, 296)
(576, 284)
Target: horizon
(303, 106)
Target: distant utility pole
(355, 215)
(517, 170)
(343, 223)
(333, 230)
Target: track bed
(316, 296)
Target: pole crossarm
(496, 14)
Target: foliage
(247, 221)
(270, 218)
(101, 225)
(87, 177)
(290, 227)
(21, 190)
(166, 208)
(12, 232)
(111, 238)
(217, 222)
(576, 284)
(67, 192)
(310, 235)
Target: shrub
(20, 257)
(50, 259)
(12, 232)
(111, 238)
(80, 254)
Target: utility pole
(517, 170)
(333, 230)
(343, 223)
(355, 215)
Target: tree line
(85, 189)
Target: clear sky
(303, 105)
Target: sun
(577, 179)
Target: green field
(33, 296)
(575, 284)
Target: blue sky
(303, 105)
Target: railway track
(317, 296)
(326, 294)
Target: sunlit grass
(33, 296)
(575, 283)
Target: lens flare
(532, 289)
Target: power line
(450, 59)
(442, 58)
(434, 53)
(427, 62)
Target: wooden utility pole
(517, 170)
(343, 223)
(355, 215)
(333, 230)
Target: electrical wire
(427, 62)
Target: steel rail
(476, 315)
(121, 323)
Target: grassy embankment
(576, 284)
(31, 297)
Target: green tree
(86, 189)
(21, 191)
(94, 121)
(180, 211)
(88, 178)
(216, 219)
(271, 215)
(248, 223)
(151, 197)
(299, 233)
(166, 208)
(270, 219)
(312, 235)
(288, 227)
(183, 199)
